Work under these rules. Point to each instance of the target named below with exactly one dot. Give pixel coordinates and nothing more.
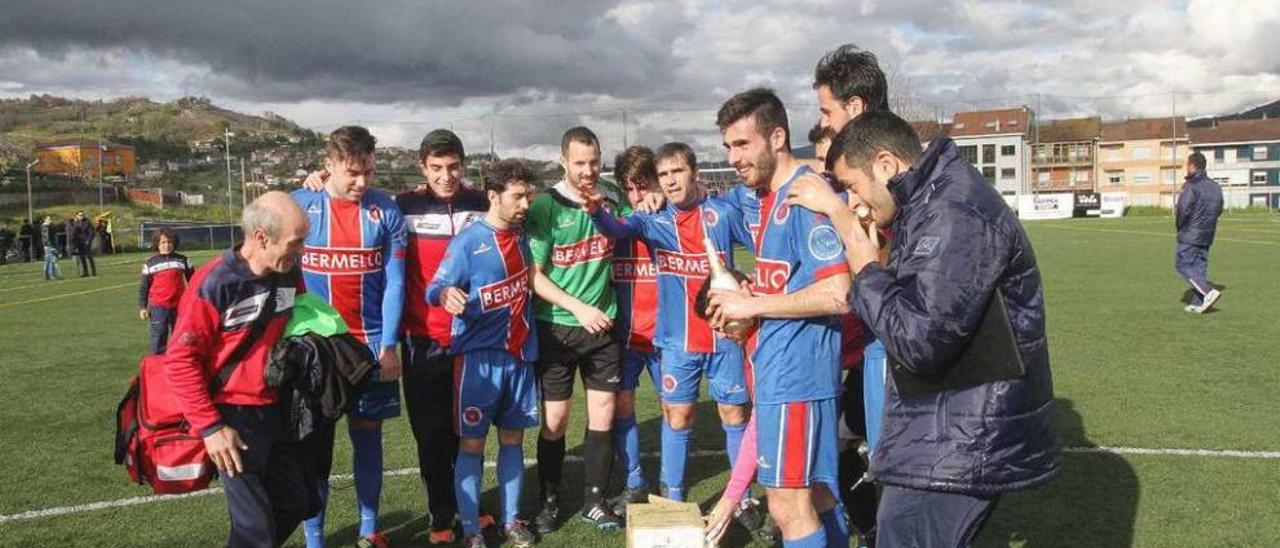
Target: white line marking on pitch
(107, 504)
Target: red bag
(154, 441)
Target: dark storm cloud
(386, 51)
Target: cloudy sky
(524, 70)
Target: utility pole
(244, 198)
(1173, 120)
(31, 218)
(492, 125)
(226, 135)
(624, 129)
(101, 150)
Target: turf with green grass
(1132, 369)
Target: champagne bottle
(720, 277)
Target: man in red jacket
(267, 491)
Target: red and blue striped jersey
(493, 267)
(675, 239)
(795, 248)
(635, 282)
(354, 260)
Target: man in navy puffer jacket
(944, 456)
(1196, 218)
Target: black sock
(860, 503)
(550, 466)
(598, 454)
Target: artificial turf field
(1132, 370)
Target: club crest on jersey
(505, 292)
(771, 276)
(590, 249)
(669, 383)
(375, 213)
(780, 214)
(711, 217)
(824, 243)
(472, 416)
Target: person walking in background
(26, 234)
(51, 270)
(1196, 218)
(164, 277)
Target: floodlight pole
(30, 211)
(102, 149)
(226, 135)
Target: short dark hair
(761, 104)
(349, 143)
(1197, 161)
(635, 161)
(819, 132)
(851, 72)
(163, 233)
(505, 172)
(870, 133)
(578, 134)
(673, 149)
(441, 142)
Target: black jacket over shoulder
(317, 379)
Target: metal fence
(191, 235)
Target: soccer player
(434, 213)
(690, 350)
(484, 284)
(634, 279)
(575, 313)
(800, 288)
(354, 260)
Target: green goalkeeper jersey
(572, 252)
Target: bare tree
(903, 99)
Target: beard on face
(763, 167)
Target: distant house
(1063, 154)
(1144, 158)
(86, 159)
(995, 141)
(1244, 157)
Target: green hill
(159, 131)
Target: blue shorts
(380, 400)
(797, 443)
(491, 387)
(635, 362)
(682, 371)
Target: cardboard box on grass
(664, 523)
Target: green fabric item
(572, 252)
(313, 315)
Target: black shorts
(562, 349)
